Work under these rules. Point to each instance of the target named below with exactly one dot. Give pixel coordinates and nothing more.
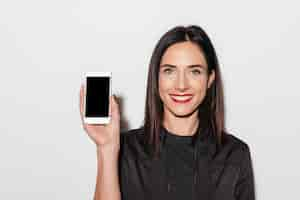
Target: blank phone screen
(97, 99)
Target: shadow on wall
(124, 125)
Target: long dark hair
(211, 110)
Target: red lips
(181, 95)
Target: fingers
(115, 114)
(110, 105)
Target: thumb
(115, 114)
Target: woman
(182, 150)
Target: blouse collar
(204, 141)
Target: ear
(211, 78)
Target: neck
(182, 126)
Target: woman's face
(183, 79)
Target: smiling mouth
(181, 98)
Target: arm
(107, 185)
(245, 186)
(107, 140)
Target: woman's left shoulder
(233, 148)
(234, 141)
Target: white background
(46, 46)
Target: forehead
(183, 54)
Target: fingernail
(115, 97)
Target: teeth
(181, 98)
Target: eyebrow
(189, 66)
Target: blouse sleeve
(245, 185)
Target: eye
(168, 70)
(196, 72)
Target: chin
(182, 113)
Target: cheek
(200, 85)
(164, 85)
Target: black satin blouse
(184, 171)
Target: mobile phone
(97, 97)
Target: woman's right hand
(105, 136)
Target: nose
(181, 82)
